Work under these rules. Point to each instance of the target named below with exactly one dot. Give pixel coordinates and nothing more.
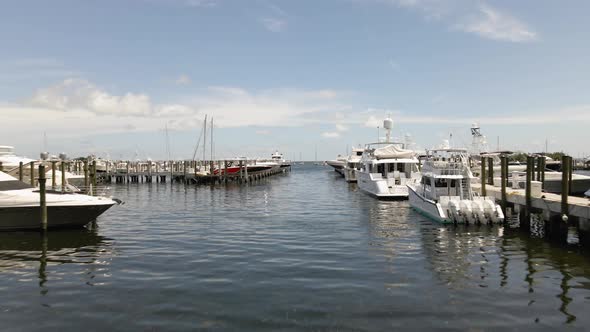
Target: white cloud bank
(77, 107)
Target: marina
(350, 166)
(194, 257)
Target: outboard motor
(455, 211)
(489, 208)
(478, 210)
(467, 211)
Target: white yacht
(338, 164)
(444, 191)
(9, 160)
(19, 206)
(387, 168)
(353, 165)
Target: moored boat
(353, 165)
(444, 191)
(19, 206)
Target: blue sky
(106, 77)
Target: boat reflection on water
(29, 253)
(472, 257)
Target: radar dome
(388, 123)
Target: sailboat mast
(211, 130)
(205, 138)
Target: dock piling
(503, 180)
(20, 171)
(53, 181)
(42, 198)
(32, 171)
(483, 176)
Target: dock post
(491, 171)
(225, 171)
(565, 184)
(542, 167)
(211, 170)
(32, 166)
(42, 198)
(570, 174)
(483, 176)
(1, 167)
(246, 171)
(530, 171)
(53, 174)
(20, 171)
(93, 178)
(86, 175)
(184, 172)
(241, 170)
(171, 172)
(127, 165)
(504, 177)
(63, 176)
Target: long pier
(190, 172)
(104, 172)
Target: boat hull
(350, 175)
(28, 217)
(426, 207)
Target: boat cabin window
(440, 183)
(426, 181)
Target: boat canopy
(393, 151)
(8, 182)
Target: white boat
(353, 164)
(386, 170)
(19, 206)
(276, 159)
(337, 164)
(10, 160)
(587, 194)
(444, 191)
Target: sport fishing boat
(387, 168)
(276, 159)
(353, 164)
(19, 206)
(444, 191)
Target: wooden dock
(525, 197)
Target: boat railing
(444, 167)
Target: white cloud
(274, 24)
(201, 3)
(330, 134)
(493, 24)
(263, 132)
(394, 65)
(472, 17)
(183, 79)
(373, 122)
(341, 127)
(78, 107)
(77, 94)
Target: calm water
(302, 251)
